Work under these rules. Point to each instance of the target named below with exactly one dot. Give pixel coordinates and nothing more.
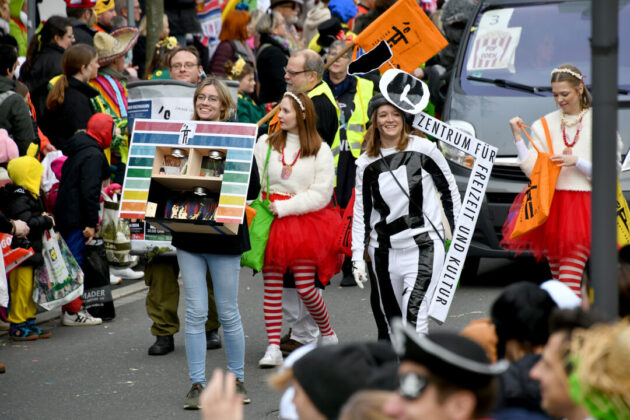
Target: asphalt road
(104, 372)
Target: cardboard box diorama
(189, 176)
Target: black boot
(164, 344)
(213, 340)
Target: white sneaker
(272, 357)
(114, 280)
(126, 273)
(80, 319)
(329, 339)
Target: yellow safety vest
(355, 129)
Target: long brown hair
(560, 76)
(74, 59)
(372, 139)
(310, 141)
(54, 26)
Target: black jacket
(83, 34)
(15, 116)
(61, 123)
(182, 17)
(199, 243)
(271, 59)
(17, 203)
(77, 203)
(519, 391)
(5, 224)
(45, 66)
(327, 120)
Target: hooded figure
(77, 203)
(20, 200)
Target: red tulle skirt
(306, 237)
(567, 228)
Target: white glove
(359, 272)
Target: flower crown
(294, 96)
(237, 68)
(568, 71)
(169, 43)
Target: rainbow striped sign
(237, 139)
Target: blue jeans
(225, 271)
(76, 244)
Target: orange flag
(411, 35)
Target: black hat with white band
(448, 355)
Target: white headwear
(564, 297)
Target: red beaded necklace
(575, 138)
(287, 169)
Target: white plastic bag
(53, 259)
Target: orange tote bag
(539, 192)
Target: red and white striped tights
(305, 286)
(569, 269)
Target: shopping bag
(116, 234)
(13, 256)
(623, 229)
(51, 294)
(259, 230)
(539, 191)
(97, 293)
(343, 241)
(53, 260)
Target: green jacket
(247, 111)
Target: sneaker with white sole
(328, 340)
(80, 319)
(272, 357)
(113, 280)
(126, 273)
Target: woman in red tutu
(299, 180)
(565, 237)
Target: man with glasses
(442, 376)
(83, 18)
(121, 10)
(289, 9)
(184, 65)
(303, 74)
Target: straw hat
(103, 6)
(601, 377)
(111, 46)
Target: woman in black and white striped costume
(403, 237)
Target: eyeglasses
(412, 385)
(292, 73)
(211, 98)
(187, 66)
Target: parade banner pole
(271, 113)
